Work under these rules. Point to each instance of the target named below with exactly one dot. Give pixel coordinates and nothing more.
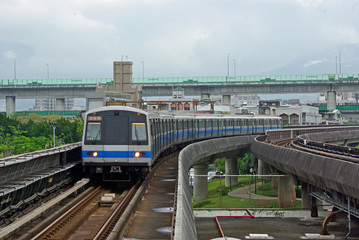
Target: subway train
(121, 143)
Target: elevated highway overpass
(122, 82)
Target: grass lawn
(217, 200)
(266, 190)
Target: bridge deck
(186, 80)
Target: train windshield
(116, 128)
(93, 132)
(139, 133)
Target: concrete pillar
(95, 100)
(200, 186)
(305, 196)
(226, 99)
(263, 168)
(60, 104)
(231, 169)
(205, 96)
(275, 181)
(313, 207)
(331, 100)
(286, 192)
(10, 105)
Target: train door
(161, 133)
(153, 137)
(198, 128)
(248, 124)
(211, 127)
(205, 127)
(225, 127)
(172, 130)
(117, 136)
(166, 132)
(254, 126)
(235, 128)
(240, 125)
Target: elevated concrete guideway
(330, 179)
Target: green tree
(220, 163)
(25, 134)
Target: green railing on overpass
(54, 82)
(342, 107)
(247, 79)
(184, 80)
(67, 113)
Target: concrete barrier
(185, 227)
(331, 136)
(321, 171)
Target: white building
(48, 104)
(245, 100)
(299, 115)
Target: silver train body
(121, 143)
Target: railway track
(342, 153)
(91, 218)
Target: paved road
(244, 192)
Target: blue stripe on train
(242, 130)
(116, 154)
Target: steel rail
(323, 153)
(108, 226)
(51, 229)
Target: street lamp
(228, 64)
(53, 124)
(143, 70)
(15, 67)
(234, 66)
(48, 73)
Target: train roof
(173, 115)
(119, 108)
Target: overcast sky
(81, 38)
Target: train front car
(116, 144)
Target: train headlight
(140, 154)
(92, 154)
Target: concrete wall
(17, 166)
(185, 227)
